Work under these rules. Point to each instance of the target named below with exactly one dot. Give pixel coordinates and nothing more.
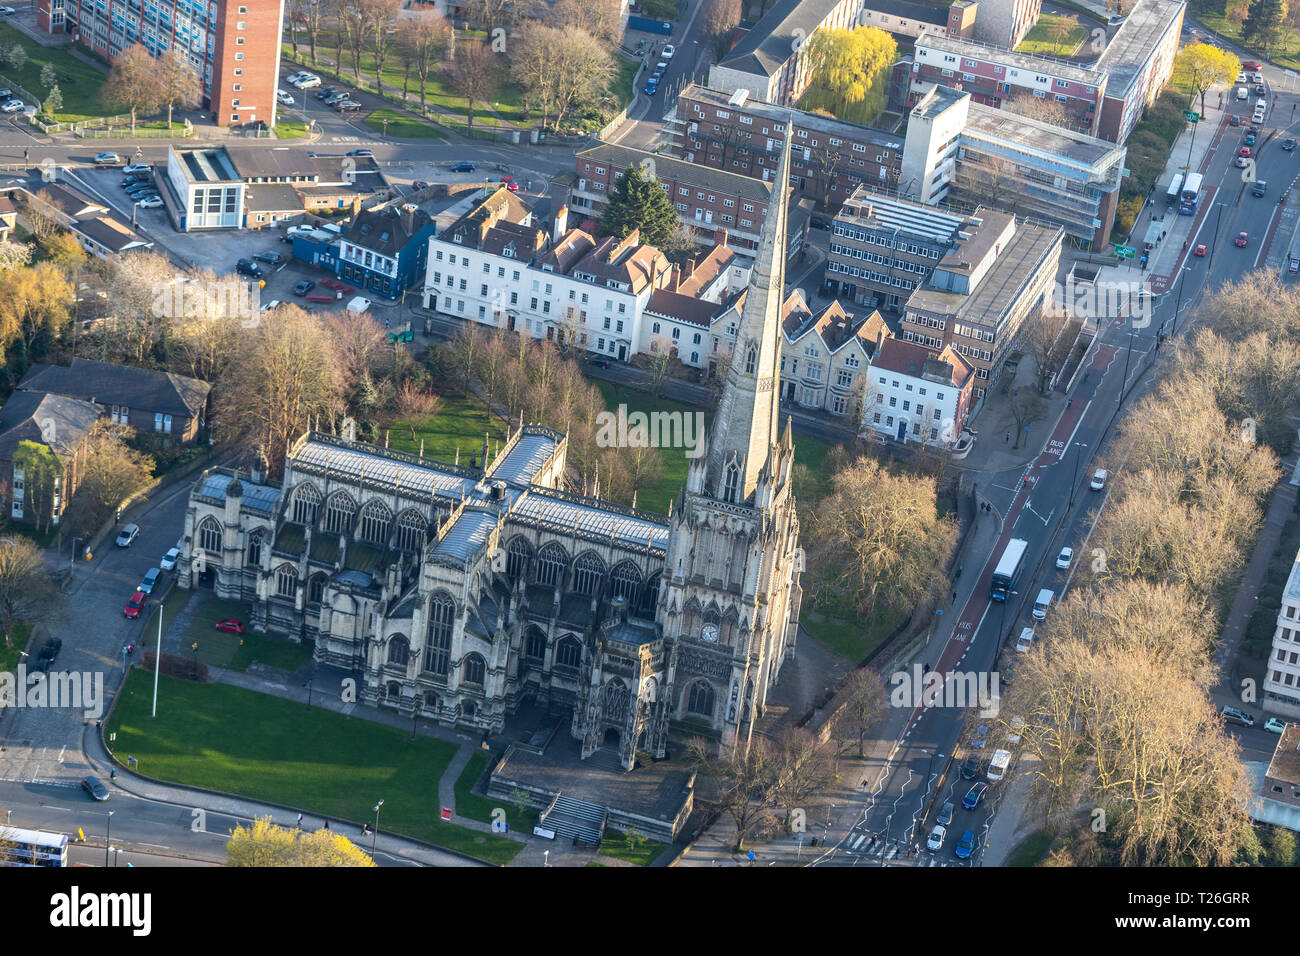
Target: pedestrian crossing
(865, 845)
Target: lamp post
(73, 558)
(1218, 219)
(1078, 460)
(1127, 355)
(1178, 302)
(108, 838)
(374, 837)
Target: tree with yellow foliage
(848, 72)
(265, 844)
(1202, 66)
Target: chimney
(676, 280)
(356, 205)
(722, 237)
(561, 223)
(690, 268)
(408, 212)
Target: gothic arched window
(306, 503)
(411, 529)
(255, 547)
(399, 650)
(517, 554)
(535, 644)
(315, 588)
(650, 596)
(568, 652)
(700, 700)
(375, 521)
(616, 695)
(732, 483)
(210, 535)
(475, 669)
(338, 513)
(751, 360)
(442, 615)
(551, 562)
(625, 582)
(589, 575)
(286, 580)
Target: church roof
(262, 498)
(356, 461)
(568, 516)
(467, 535)
(528, 456)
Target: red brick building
(234, 45)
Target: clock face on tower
(710, 633)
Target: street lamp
(1127, 355)
(374, 837)
(1178, 303)
(1078, 460)
(108, 837)
(1218, 219)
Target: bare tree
(864, 699)
(738, 785)
(178, 82)
(134, 83)
(475, 72)
(26, 591)
(1039, 336)
(379, 21)
(424, 39)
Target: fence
(185, 133)
(29, 97)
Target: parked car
(295, 77)
(93, 787)
(270, 258)
(327, 91)
(303, 287)
(935, 842)
(127, 535)
(966, 845)
(286, 99)
(974, 795)
(133, 605)
(168, 562)
(151, 202)
(308, 82)
(651, 86)
(419, 184)
(669, 50)
(1241, 240)
(1099, 479)
(230, 625)
(331, 98)
(660, 67)
(247, 267)
(140, 189)
(1275, 725)
(7, 10)
(12, 106)
(137, 168)
(945, 815)
(361, 152)
(1234, 715)
(463, 168)
(150, 580)
(107, 159)
(1064, 558)
(1288, 144)
(50, 651)
(271, 306)
(347, 106)
(970, 768)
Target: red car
(1199, 250)
(231, 625)
(1241, 239)
(510, 184)
(132, 609)
(1244, 151)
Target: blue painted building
(384, 251)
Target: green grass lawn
(401, 126)
(172, 604)
(630, 848)
(236, 741)
(78, 82)
(1040, 38)
(850, 636)
(1214, 17)
(237, 651)
(10, 656)
(460, 423)
(288, 128)
(1032, 850)
(471, 805)
(622, 90)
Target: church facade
(459, 592)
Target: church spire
(745, 429)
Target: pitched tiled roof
(684, 308)
(625, 260)
(909, 358)
(54, 420)
(679, 170)
(384, 231)
(110, 384)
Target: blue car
(652, 87)
(974, 796)
(966, 845)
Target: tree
(178, 82)
(266, 845)
(739, 785)
(801, 767)
(848, 70)
(16, 56)
(1263, 21)
(36, 306)
(864, 704)
(288, 374)
(312, 14)
(14, 255)
(1059, 31)
(637, 201)
(491, 14)
(475, 72)
(350, 30)
(721, 17)
(1026, 408)
(415, 406)
(1203, 66)
(1039, 335)
(43, 214)
(111, 473)
(63, 251)
(425, 38)
(134, 83)
(379, 17)
(599, 18)
(682, 243)
(560, 71)
(53, 101)
(26, 591)
(41, 471)
(49, 78)
(878, 536)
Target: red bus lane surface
(972, 613)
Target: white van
(998, 765)
(1042, 603)
(1261, 104)
(1026, 640)
(1242, 93)
(1099, 479)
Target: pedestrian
(327, 824)
(954, 597)
(26, 154)
(299, 821)
(1007, 438)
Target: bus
(1175, 189)
(1008, 570)
(1191, 195)
(32, 847)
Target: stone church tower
(730, 598)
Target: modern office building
(1137, 62)
(234, 46)
(1282, 677)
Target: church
(461, 592)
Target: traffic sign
(1191, 117)
(1125, 252)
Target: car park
(303, 287)
(1241, 240)
(96, 789)
(1235, 715)
(230, 625)
(975, 795)
(1064, 558)
(462, 168)
(150, 580)
(1275, 725)
(107, 159)
(270, 258)
(249, 268)
(1199, 250)
(133, 605)
(966, 845)
(945, 815)
(935, 841)
(127, 535)
(286, 99)
(168, 562)
(12, 106)
(970, 768)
